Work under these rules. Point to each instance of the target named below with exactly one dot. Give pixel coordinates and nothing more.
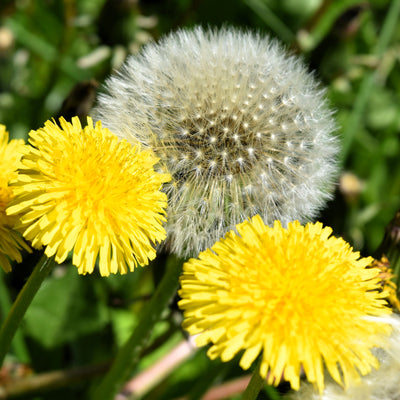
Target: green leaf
(65, 308)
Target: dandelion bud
(242, 127)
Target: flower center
(223, 148)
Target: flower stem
(255, 385)
(30, 385)
(19, 345)
(22, 303)
(128, 355)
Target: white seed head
(244, 114)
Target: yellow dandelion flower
(11, 243)
(298, 296)
(82, 189)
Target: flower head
(242, 127)
(381, 384)
(82, 189)
(11, 243)
(299, 296)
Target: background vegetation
(53, 56)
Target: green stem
(129, 354)
(30, 385)
(19, 345)
(22, 303)
(255, 385)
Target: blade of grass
(323, 21)
(368, 82)
(271, 20)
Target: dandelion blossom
(242, 127)
(381, 384)
(11, 243)
(82, 189)
(299, 296)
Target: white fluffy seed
(164, 97)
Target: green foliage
(49, 46)
(75, 310)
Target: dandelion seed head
(235, 104)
